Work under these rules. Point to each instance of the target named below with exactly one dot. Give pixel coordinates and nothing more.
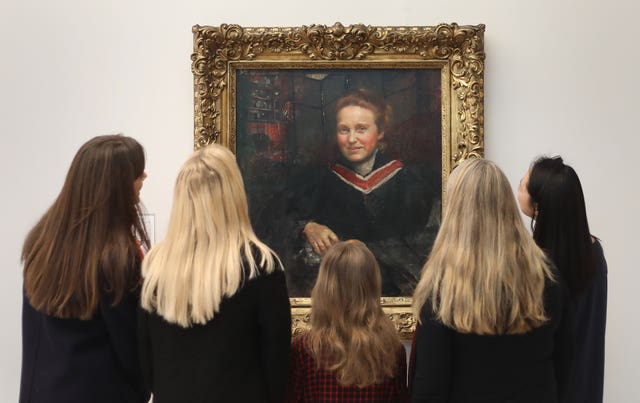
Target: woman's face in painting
(357, 133)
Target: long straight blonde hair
(350, 334)
(485, 274)
(207, 253)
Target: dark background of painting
(285, 126)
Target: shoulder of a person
(556, 290)
(298, 342)
(261, 272)
(556, 280)
(597, 247)
(130, 294)
(299, 345)
(600, 261)
(427, 314)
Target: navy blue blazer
(73, 360)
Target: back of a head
(101, 176)
(483, 253)
(561, 226)
(209, 196)
(555, 189)
(360, 343)
(349, 275)
(87, 231)
(207, 251)
(480, 205)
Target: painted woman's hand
(320, 237)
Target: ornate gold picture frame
(270, 94)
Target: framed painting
(343, 132)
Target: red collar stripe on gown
(370, 182)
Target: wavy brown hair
(485, 274)
(350, 334)
(85, 244)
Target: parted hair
(485, 274)
(368, 100)
(207, 253)
(350, 334)
(560, 225)
(85, 244)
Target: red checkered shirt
(308, 384)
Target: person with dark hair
(366, 195)
(352, 355)
(551, 194)
(81, 282)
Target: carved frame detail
(457, 49)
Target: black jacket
(529, 368)
(80, 361)
(241, 355)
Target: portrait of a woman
(342, 154)
(367, 195)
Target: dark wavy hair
(560, 224)
(85, 244)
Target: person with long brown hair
(81, 282)
(493, 313)
(352, 352)
(215, 323)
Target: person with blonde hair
(215, 323)
(492, 312)
(352, 352)
(82, 282)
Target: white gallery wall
(561, 78)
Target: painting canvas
(295, 173)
